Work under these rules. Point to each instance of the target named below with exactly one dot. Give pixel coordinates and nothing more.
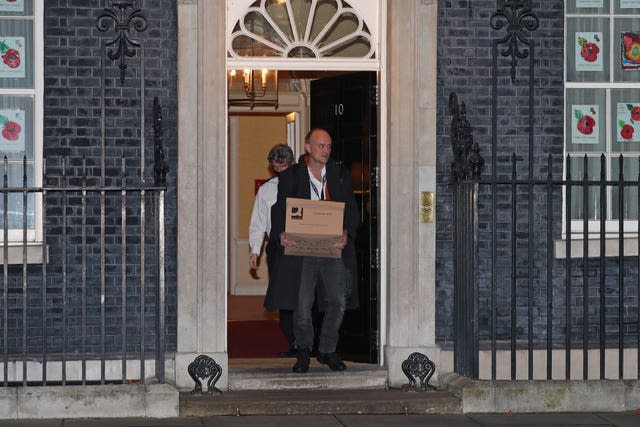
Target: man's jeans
(331, 274)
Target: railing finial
(123, 22)
(161, 166)
(467, 161)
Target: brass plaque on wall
(426, 206)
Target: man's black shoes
(302, 363)
(292, 352)
(332, 361)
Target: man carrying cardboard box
(293, 284)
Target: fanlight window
(301, 29)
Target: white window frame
(367, 10)
(611, 225)
(34, 235)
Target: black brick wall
(73, 55)
(465, 67)
(465, 41)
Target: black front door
(346, 107)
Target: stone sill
(558, 396)
(34, 253)
(630, 247)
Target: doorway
(252, 331)
(345, 104)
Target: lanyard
(315, 190)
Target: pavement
(621, 419)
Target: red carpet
(255, 338)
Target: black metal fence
(548, 274)
(90, 308)
(83, 254)
(547, 264)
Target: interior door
(346, 107)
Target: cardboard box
(315, 225)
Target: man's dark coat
(284, 280)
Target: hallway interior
(252, 331)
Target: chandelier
(253, 88)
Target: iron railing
(91, 307)
(91, 310)
(562, 301)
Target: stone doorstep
(318, 377)
(318, 402)
(362, 388)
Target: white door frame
(407, 144)
(343, 64)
